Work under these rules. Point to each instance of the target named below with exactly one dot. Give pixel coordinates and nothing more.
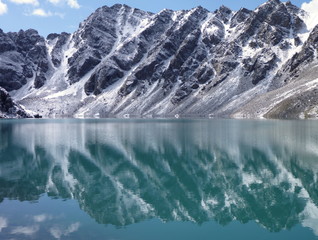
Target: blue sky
(48, 16)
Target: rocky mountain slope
(9, 109)
(126, 62)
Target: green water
(158, 179)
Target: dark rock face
(223, 13)
(257, 68)
(97, 36)
(39, 80)
(101, 80)
(272, 22)
(12, 77)
(177, 42)
(6, 101)
(298, 62)
(80, 64)
(9, 109)
(6, 43)
(23, 54)
(240, 16)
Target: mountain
(125, 62)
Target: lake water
(158, 179)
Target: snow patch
(207, 26)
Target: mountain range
(125, 62)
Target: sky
(55, 16)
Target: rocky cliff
(124, 61)
(9, 109)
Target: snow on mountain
(123, 61)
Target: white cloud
(40, 12)
(312, 9)
(55, 2)
(70, 3)
(28, 231)
(3, 223)
(73, 3)
(3, 8)
(31, 2)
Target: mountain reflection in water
(124, 172)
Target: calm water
(155, 180)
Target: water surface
(158, 179)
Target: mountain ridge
(123, 61)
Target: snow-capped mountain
(124, 61)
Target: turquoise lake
(158, 179)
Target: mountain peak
(223, 13)
(269, 4)
(274, 2)
(118, 6)
(200, 8)
(224, 9)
